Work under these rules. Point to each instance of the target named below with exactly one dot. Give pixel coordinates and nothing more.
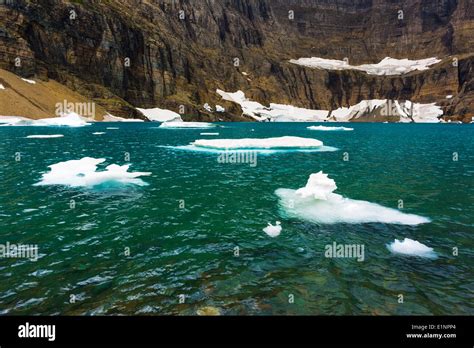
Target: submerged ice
(317, 202)
(186, 125)
(83, 173)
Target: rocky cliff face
(135, 53)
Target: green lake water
(182, 229)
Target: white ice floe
(254, 143)
(161, 115)
(186, 125)
(273, 231)
(98, 133)
(220, 108)
(112, 118)
(316, 202)
(29, 81)
(112, 128)
(2, 86)
(209, 133)
(329, 129)
(83, 173)
(68, 120)
(46, 136)
(411, 247)
(387, 66)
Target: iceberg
(387, 66)
(317, 202)
(83, 173)
(411, 247)
(40, 136)
(186, 125)
(329, 129)
(254, 143)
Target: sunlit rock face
(127, 54)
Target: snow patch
(161, 115)
(29, 81)
(68, 120)
(1, 86)
(317, 202)
(275, 112)
(220, 108)
(411, 247)
(112, 118)
(83, 173)
(387, 66)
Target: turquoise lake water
(191, 250)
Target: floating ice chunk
(98, 133)
(113, 128)
(40, 136)
(387, 66)
(273, 231)
(328, 129)
(161, 115)
(209, 133)
(411, 247)
(29, 81)
(316, 202)
(220, 108)
(254, 143)
(82, 173)
(1, 86)
(319, 186)
(186, 125)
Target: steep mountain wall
(180, 51)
